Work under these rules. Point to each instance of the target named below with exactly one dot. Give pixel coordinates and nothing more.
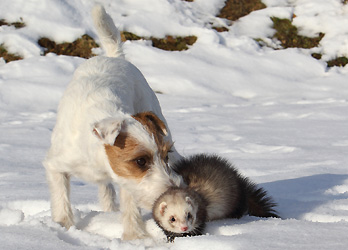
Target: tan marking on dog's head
(128, 158)
(156, 127)
(152, 122)
(139, 146)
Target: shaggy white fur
(96, 107)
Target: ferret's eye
(172, 219)
(189, 216)
(141, 162)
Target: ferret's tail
(109, 35)
(258, 202)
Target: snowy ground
(280, 116)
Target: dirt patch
(235, 9)
(220, 29)
(8, 57)
(288, 35)
(17, 25)
(81, 47)
(339, 62)
(169, 43)
(125, 35)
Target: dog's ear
(152, 122)
(108, 129)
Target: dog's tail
(109, 35)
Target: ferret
(215, 190)
(180, 212)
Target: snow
(279, 115)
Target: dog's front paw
(65, 222)
(136, 234)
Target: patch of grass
(2, 22)
(287, 34)
(340, 62)
(220, 29)
(17, 25)
(8, 57)
(317, 56)
(81, 47)
(169, 43)
(235, 9)
(130, 36)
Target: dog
(110, 129)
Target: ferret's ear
(188, 200)
(108, 129)
(162, 207)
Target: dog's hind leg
(133, 224)
(59, 184)
(107, 197)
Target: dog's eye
(172, 219)
(141, 162)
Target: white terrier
(110, 129)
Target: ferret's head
(176, 211)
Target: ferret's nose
(184, 229)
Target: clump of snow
(279, 115)
(10, 217)
(328, 17)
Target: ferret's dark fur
(222, 193)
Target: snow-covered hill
(280, 116)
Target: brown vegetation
(288, 35)
(17, 25)
(81, 47)
(170, 43)
(8, 57)
(235, 9)
(340, 62)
